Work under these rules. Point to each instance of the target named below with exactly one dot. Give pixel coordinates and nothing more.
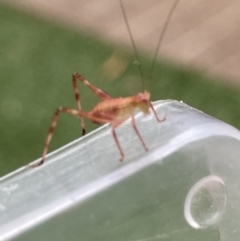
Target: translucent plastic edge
(157, 155)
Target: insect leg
(137, 132)
(99, 117)
(100, 93)
(154, 112)
(77, 98)
(117, 141)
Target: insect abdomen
(120, 107)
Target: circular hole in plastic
(205, 202)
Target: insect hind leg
(53, 126)
(100, 93)
(97, 117)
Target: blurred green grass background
(37, 59)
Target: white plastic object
(187, 187)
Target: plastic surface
(187, 187)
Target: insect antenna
(162, 36)
(133, 43)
